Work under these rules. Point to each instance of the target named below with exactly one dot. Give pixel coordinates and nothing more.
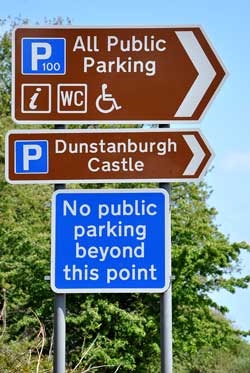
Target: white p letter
(46, 49)
(27, 157)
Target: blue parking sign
(110, 241)
(44, 56)
(31, 157)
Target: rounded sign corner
(57, 192)
(163, 191)
(164, 289)
(55, 289)
(13, 117)
(8, 179)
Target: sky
(225, 124)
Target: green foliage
(203, 260)
(5, 62)
(5, 75)
(233, 359)
(22, 357)
(125, 336)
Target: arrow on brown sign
(198, 155)
(205, 70)
(56, 156)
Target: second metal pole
(166, 303)
(59, 333)
(59, 316)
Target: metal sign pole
(59, 316)
(59, 332)
(166, 303)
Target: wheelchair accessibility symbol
(105, 103)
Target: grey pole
(59, 333)
(59, 316)
(166, 304)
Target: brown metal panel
(148, 72)
(107, 156)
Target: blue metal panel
(109, 240)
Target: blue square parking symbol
(44, 56)
(31, 157)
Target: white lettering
(79, 44)
(88, 62)
(102, 252)
(80, 274)
(119, 65)
(67, 97)
(135, 44)
(112, 41)
(36, 56)
(133, 273)
(58, 149)
(81, 101)
(71, 209)
(90, 44)
(28, 156)
(125, 164)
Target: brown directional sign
(56, 156)
(94, 75)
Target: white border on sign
(113, 122)
(106, 181)
(112, 290)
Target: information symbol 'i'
(32, 104)
(36, 98)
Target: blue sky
(225, 124)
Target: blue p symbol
(31, 157)
(44, 56)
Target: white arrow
(198, 155)
(206, 73)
